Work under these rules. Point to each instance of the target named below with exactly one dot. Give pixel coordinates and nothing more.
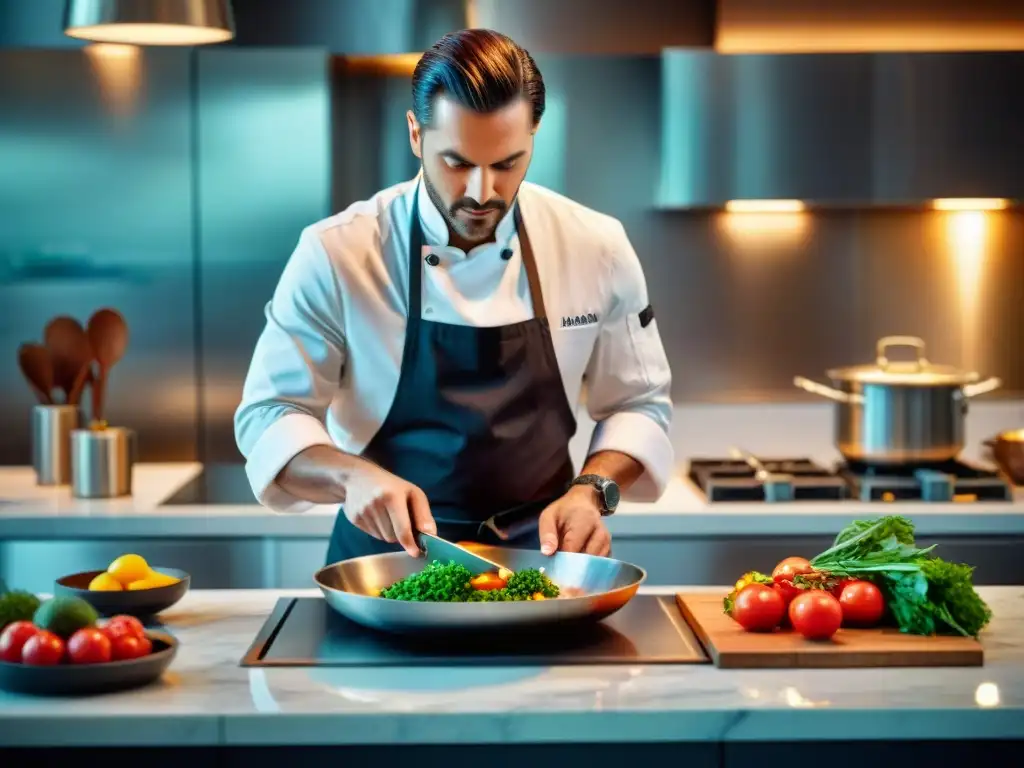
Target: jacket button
(432, 260)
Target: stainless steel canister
(51, 442)
(102, 461)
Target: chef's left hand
(574, 524)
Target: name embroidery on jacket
(570, 321)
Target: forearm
(320, 474)
(620, 467)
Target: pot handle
(982, 387)
(901, 341)
(832, 394)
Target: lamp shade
(150, 22)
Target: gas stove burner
(955, 480)
(803, 479)
(735, 480)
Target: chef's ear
(415, 135)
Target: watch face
(611, 495)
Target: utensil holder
(52, 426)
(102, 461)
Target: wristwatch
(607, 491)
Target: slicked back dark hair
(479, 69)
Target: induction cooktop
(307, 632)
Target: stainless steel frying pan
(598, 586)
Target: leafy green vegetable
(950, 590)
(450, 583)
(925, 594)
(871, 542)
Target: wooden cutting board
(732, 647)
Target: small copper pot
(1008, 451)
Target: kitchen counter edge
(235, 706)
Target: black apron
(480, 421)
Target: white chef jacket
(325, 368)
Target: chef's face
(473, 163)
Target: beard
(472, 230)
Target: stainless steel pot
(900, 412)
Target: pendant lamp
(150, 22)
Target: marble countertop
(206, 698)
(28, 511)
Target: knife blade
(446, 551)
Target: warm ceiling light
(970, 204)
(383, 65)
(765, 206)
(150, 22)
(813, 26)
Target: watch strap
(599, 483)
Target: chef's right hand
(387, 507)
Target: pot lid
(919, 372)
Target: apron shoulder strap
(530, 265)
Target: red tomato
(862, 604)
(43, 649)
(14, 638)
(787, 591)
(790, 567)
(487, 581)
(130, 647)
(837, 590)
(783, 576)
(815, 614)
(758, 608)
(89, 646)
(123, 625)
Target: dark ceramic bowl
(76, 679)
(142, 603)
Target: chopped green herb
(450, 583)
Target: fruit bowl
(141, 603)
(72, 679)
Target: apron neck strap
(530, 265)
(416, 243)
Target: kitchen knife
(446, 551)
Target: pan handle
(832, 394)
(982, 387)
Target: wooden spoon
(34, 360)
(108, 335)
(71, 353)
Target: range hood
(841, 129)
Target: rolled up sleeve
(629, 381)
(294, 373)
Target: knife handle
(514, 522)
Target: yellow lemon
(141, 584)
(104, 582)
(129, 568)
(158, 579)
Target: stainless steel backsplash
(174, 189)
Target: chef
(425, 350)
